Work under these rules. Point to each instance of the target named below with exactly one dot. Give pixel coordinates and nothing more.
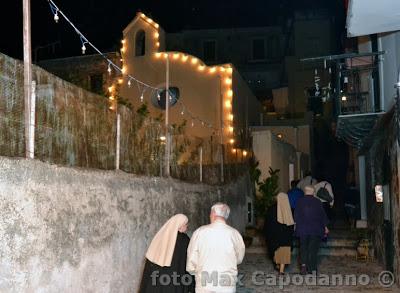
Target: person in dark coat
(278, 232)
(311, 227)
(165, 267)
(294, 194)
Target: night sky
(103, 21)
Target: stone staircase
(341, 242)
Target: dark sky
(102, 21)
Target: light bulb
(222, 69)
(230, 93)
(156, 25)
(230, 117)
(109, 68)
(56, 17)
(228, 81)
(158, 55)
(158, 44)
(156, 35)
(228, 104)
(192, 123)
(201, 67)
(212, 69)
(110, 88)
(231, 141)
(123, 69)
(120, 80)
(129, 83)
(176, 55)
(111, 98)
(244, 153)
(230, 129)
(123, 42)
(158, 96)
(182, 112)
(194, 60)
(83, 49)
(141, 98)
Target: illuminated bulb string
(111, 65)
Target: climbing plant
(268, 189)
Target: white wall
(272, 152)
(390, 43)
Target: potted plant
(268, 189)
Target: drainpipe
(381, 88)
(363, 191)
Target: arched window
(140, 43)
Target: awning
(365, 17)
(354, 129)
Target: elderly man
(214, 252)
(311, 226)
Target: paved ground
(259, 276)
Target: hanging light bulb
(129, 83)
(182, 112)
(83, 48)
(141, 98)
(109, 68)
(158, 96)
(202, 123)
(56, 17)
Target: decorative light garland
(142, 86)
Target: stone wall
(79, 230)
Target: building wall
(299, 136)
(81, 70)
(389, 67)
(77, 230)
(271, 152)
(236, 46)
(313, 37)
(204, 92)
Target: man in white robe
(214, 252)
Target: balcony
(354, 96)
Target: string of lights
(144, 87)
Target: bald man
(214, 252)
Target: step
(323, 251)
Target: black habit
(177, 272)
(276, 234)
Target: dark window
(159, 98)
(209, 51)
(96, 83)
(258, 49)
(140, 43)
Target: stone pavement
(259, 276)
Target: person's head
(309, 190)
(180, 221)
(219, 211)
(294, 183)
